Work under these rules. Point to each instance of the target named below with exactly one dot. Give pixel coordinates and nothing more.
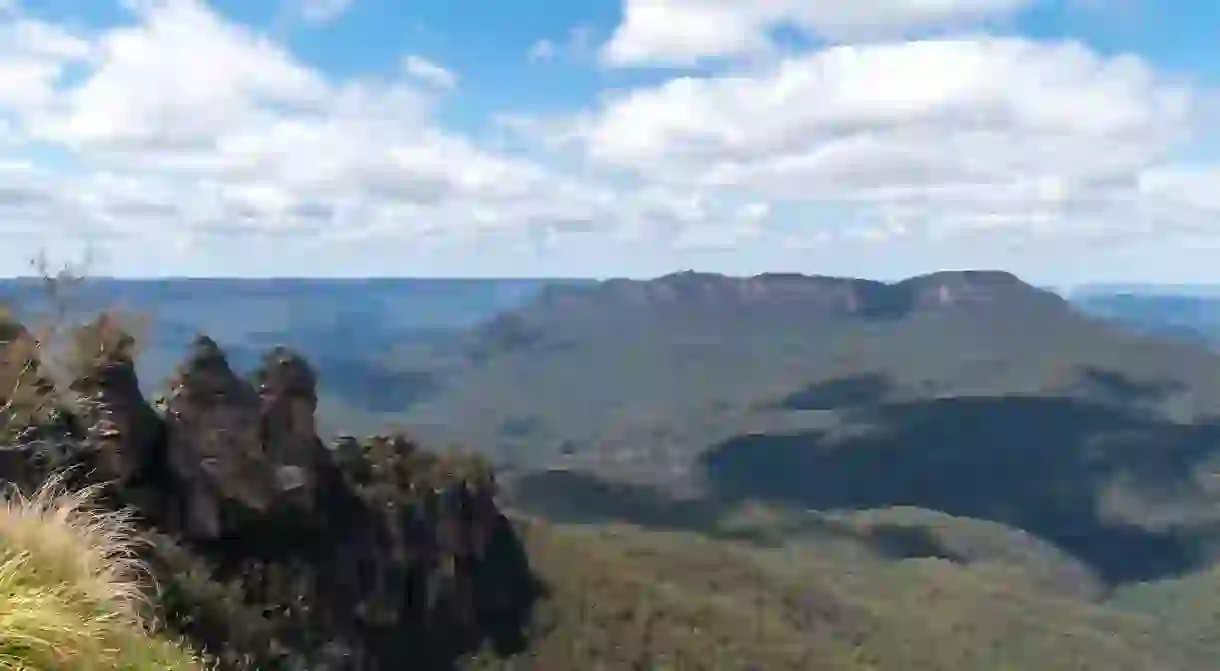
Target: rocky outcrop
(213, 450)
(288, 399)
(275, 551)
(120, 425)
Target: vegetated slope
(623, 597)
(648, 369)
(969, 393)
(350, 329)
(1187, 604)
(893, 588)
(894, 533)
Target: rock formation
(274, 551)
(809, 294)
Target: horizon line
(1063, 285)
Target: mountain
(959, 471)
(581, 368)
(1189, 317)
(779, 387)
(350, 329)
(970, 393)
(1089, 290)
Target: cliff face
(273, 550)
(809, 297)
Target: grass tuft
(73, 589)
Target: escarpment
(272, 549)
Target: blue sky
(1066, 140)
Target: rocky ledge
(273, 550)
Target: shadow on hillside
(374, 388)
(571, 497)
(857, 390)
(1040, 464)
(1118, 388)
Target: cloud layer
(947, 133)
(182, 137)
(683, 32)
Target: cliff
(273, 550)
(812, 295)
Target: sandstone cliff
(272, 549)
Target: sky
(1064, 140)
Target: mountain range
(841, 450)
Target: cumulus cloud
(320, 11)
(429, 72)
(33, 58)
(181, 130)
(577, 44)
(983, 131)
(177, 79)
(542, 50)
(683, 32)
(182, 127)
(1182, 198)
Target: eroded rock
(275, 551)
(120, 424)
(288, 399)
(213, 445)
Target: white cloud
(684, 32)
(168, 137)
(577, 45)
(320, 11)
(183, 128)
(1183, 198)
(429, 72)
(178, 79)
(542, 50)
(33, 58)
(986, 130)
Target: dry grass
(73, 590)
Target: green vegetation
(972, 394)
(637, 379)
(776, 473)
(624, 597)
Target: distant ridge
(1148, 289)
(848, 295)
